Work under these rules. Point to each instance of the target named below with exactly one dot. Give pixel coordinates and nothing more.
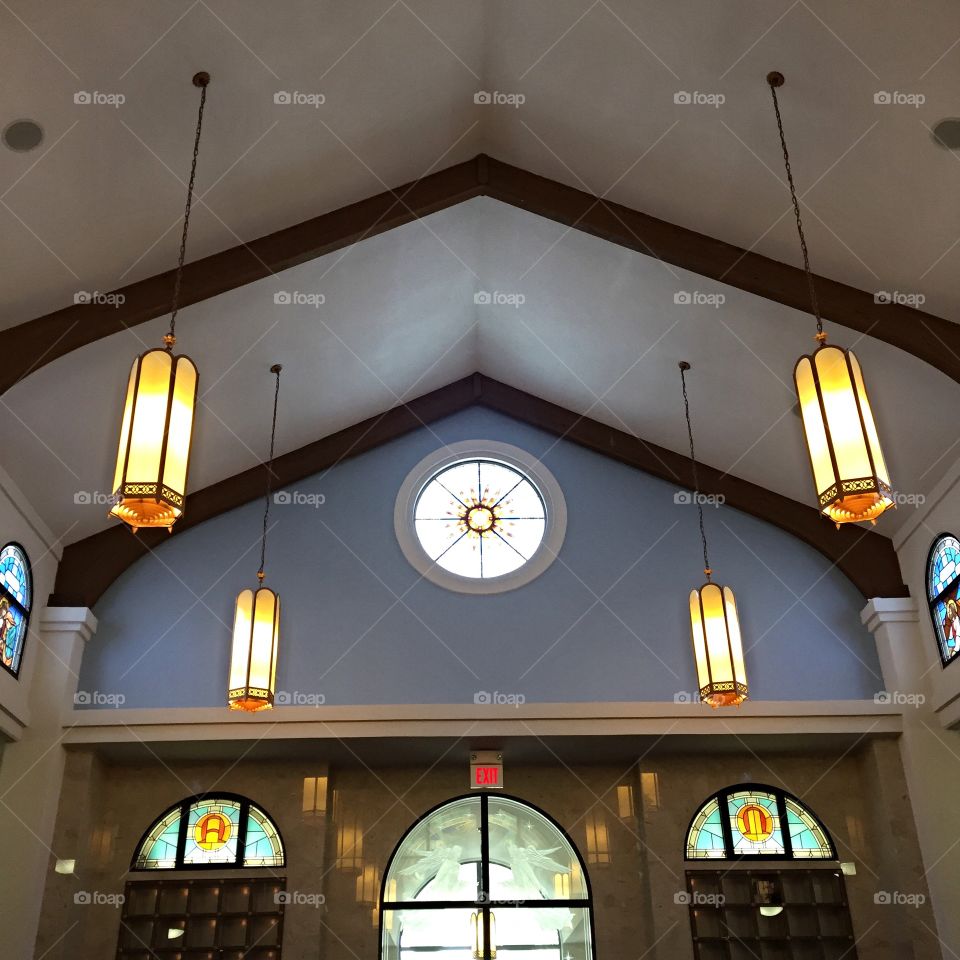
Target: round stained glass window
(480, 517)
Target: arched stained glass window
(482, 874)
(943, 586)
(747, 821)
(220, 830)
(16, 597)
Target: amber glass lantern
(849, 471)
(714, 624)
(150, 480)
(717, 646)
(253, 664)
(256, 619)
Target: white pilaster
(31, 774)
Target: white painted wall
(931, 740)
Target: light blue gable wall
(607, 621)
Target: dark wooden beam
(34, 343)
(931, 338)
(30, 345)
(90, 565)
(865, 556)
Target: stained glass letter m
(210, 831)
(753, 821)
(943, 586)
(16, 596)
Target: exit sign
(486, 770)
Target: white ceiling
(598, 331)
(98, 205)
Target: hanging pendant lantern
(253, 665)
(714, 623)
(256, 621)
(849, 470)
(150, 479)
(848, 467)
(717, 645)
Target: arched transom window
(943, 585)
(482, 877)
(16, 597)
(219, 830)
(757, 821)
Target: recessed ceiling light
(22, 135)
(947, 133)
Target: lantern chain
(684, 367)
(275, 369)
(201, 80)
(776, 80)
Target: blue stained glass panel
(159, 850)
(755, 823)
(15, 590)
(262, 847)
(12, 624)
(705, 840)
(943, 586)
(806, 835)
(212, 832)
(13, 574)
(944, 566)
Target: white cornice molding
(78, 620)
(881, 610)
(863, 717)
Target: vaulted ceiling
(598, 330)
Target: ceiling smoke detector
(22, 135)
(947, 133)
